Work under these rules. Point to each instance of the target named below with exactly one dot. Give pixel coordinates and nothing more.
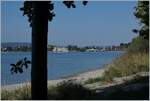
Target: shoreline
(78, 77)
(85, 71)
(69, 51)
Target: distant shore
(70, 51)
(79, 78)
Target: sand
(79, 78)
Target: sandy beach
(79, 78)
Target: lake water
(59, 64)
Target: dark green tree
(39, 12)
(139, 44)
(142, 14)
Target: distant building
(60, 49)
(91, 50)
(102, 49)
(3, 49)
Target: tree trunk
(39, 50)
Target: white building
(91, 50)
(60, 49)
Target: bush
(139, 44)
(92, 80)
(63, 91)
(69, 91)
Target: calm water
(59, 64)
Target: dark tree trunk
(39, 50)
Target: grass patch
(73, 91)
(126, 65)
(22, 93)
(92, 80)
(63, 91)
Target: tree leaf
(25, 59)
(51, 6)
(12, 69)
(73, 5)
(28, 62)
(135, 30)
(15, 70)
(20, 70)
(22, 9)
(19, 63)
(13, 65)
(26, 65)
(84, 3)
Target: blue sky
(99, 23)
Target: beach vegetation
(21, 93)
(63, 91)
(125, 65)
(139, 44)
(70, 91)
(93, 80)
(74, 91)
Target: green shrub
(92, 80)
(139, 44)
(69, 91)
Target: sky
(100, 23)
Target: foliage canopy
(142, 14)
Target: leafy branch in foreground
(28, 9)
(18, 67)
(142, 14)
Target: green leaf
(18, 67)
(51, 6)
(15, 70)
(12, 69)
(84, 3)
(25, 59)
(28, 62)
(13, 65)
(20, 70)
(73, 5)
(26, 65)
(22, 9)
(19, 63)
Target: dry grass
(63, 91)
(22, 93)
(126, 65)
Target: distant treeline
(121, 47)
